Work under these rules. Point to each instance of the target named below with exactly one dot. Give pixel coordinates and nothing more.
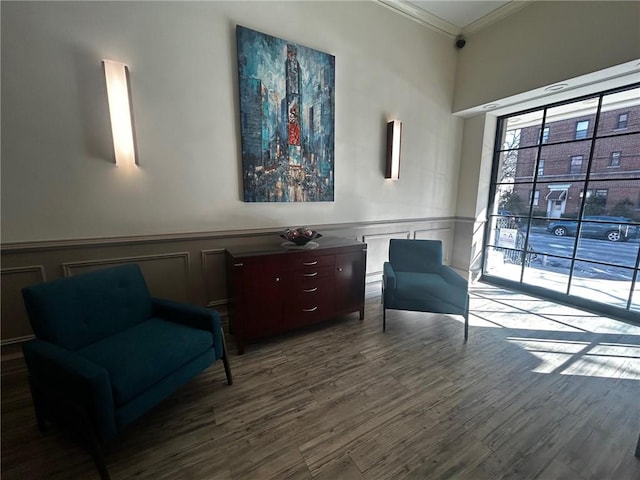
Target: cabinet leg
(362, 312)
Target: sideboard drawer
(310, 261)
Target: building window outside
(623, 118)
(536, 198)
(589, 267)
(582, 128)
(576, 164)
(614, 160)
(541, 167)
(545, 135)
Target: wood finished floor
(541, 391)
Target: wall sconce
(122, 126)
(394, 137)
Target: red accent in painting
(294, 134)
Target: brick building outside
(556, 166)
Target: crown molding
(432, 21)
(418, 15)
(495, 16)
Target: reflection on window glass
(606, 284)
(608, 242)
(548, 272)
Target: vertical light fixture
(122, 126)
(394, 140)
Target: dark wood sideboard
(273, 289)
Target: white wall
(542, 44)
(58, 179)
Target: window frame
(591, 160)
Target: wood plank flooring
(541, 391)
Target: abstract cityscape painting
(287, 119)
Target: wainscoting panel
(214, 275)
(445, 234)
(188, 268)
(378, 250)
(167, 275)
(15, 323)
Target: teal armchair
(415, 279)
(106, 352)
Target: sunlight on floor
(563, 339)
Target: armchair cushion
(146, 353)
(426, 292)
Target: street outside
(623, 254)
(609, 284)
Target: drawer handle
(310, 309)
(308, 264)
(309, 290)
(310, 274)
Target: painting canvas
(286, 119)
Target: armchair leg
(98, 458)
(225, 360)
(466, 321)
(40, 418)
(466, 327)
(638, 447)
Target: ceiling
(456, 17)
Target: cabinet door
(349, 282)
(263, 294)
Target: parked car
(507, 219)
(614, 229)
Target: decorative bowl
(300, 236)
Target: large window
(573, 226)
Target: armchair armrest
(70, 380)
(452, 277)
(388, 283)
(192, 316)
(388, 276)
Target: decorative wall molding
(13, 247)
(378, 251)
(87, 265)
(15, 322)
(214, 276)
(163, 279)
